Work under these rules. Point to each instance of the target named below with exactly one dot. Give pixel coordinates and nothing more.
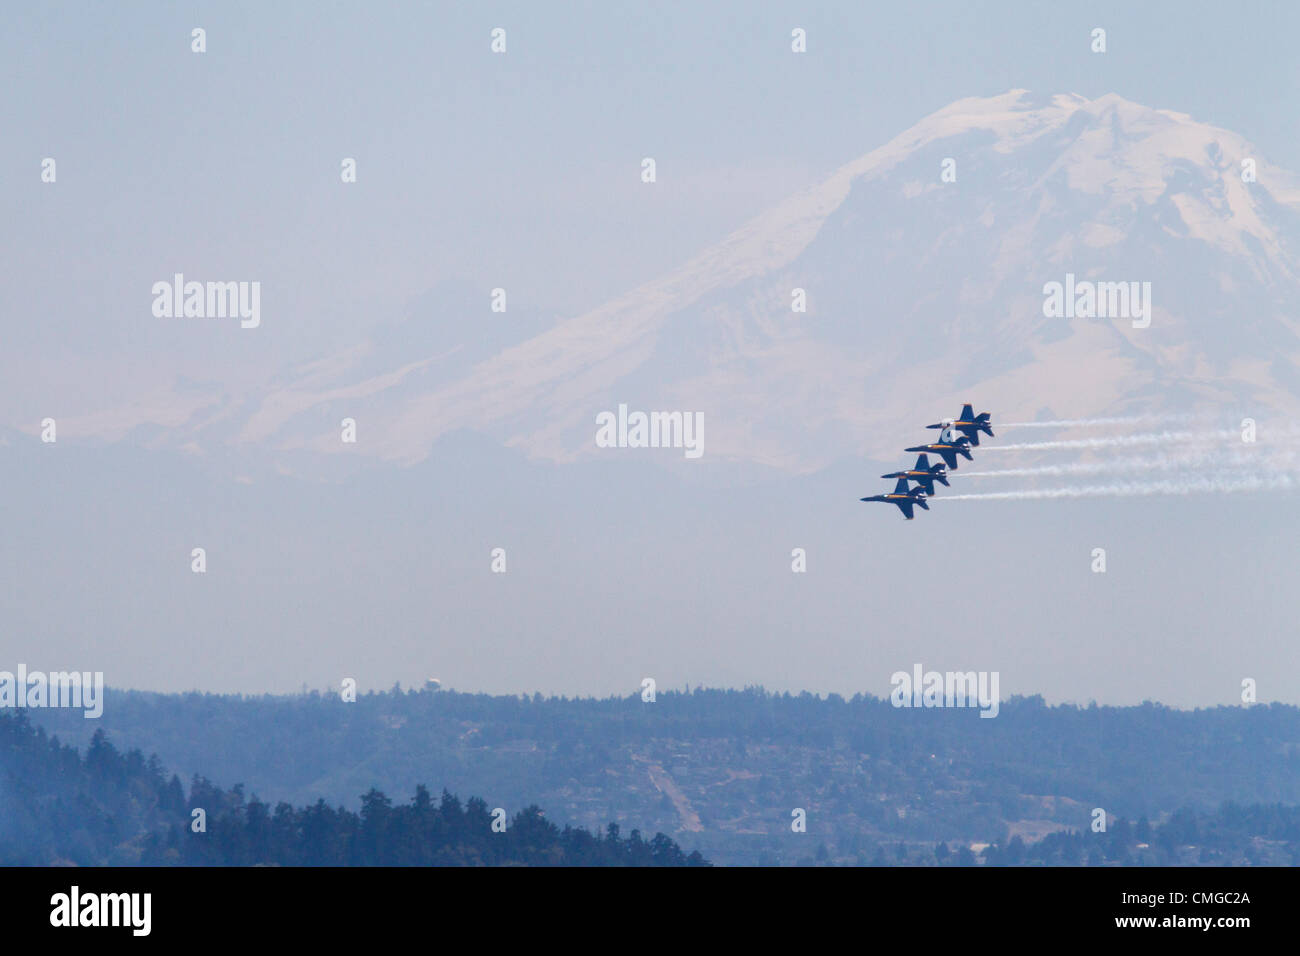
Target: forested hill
(722, 770)
(109, 807)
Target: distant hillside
(724, 770)
(114, 808)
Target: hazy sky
(515, 170)
(522, 171)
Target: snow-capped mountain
(923, 290)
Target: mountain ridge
(917, 290)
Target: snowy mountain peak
(924, 265)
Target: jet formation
(956, 437)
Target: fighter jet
(903, 498)
(947, 450)
(969, 424)
(924, 474)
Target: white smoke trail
(1118, 441)
(1265, 461)
(1216, 484)
(1077, 468)
(1088, 422)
